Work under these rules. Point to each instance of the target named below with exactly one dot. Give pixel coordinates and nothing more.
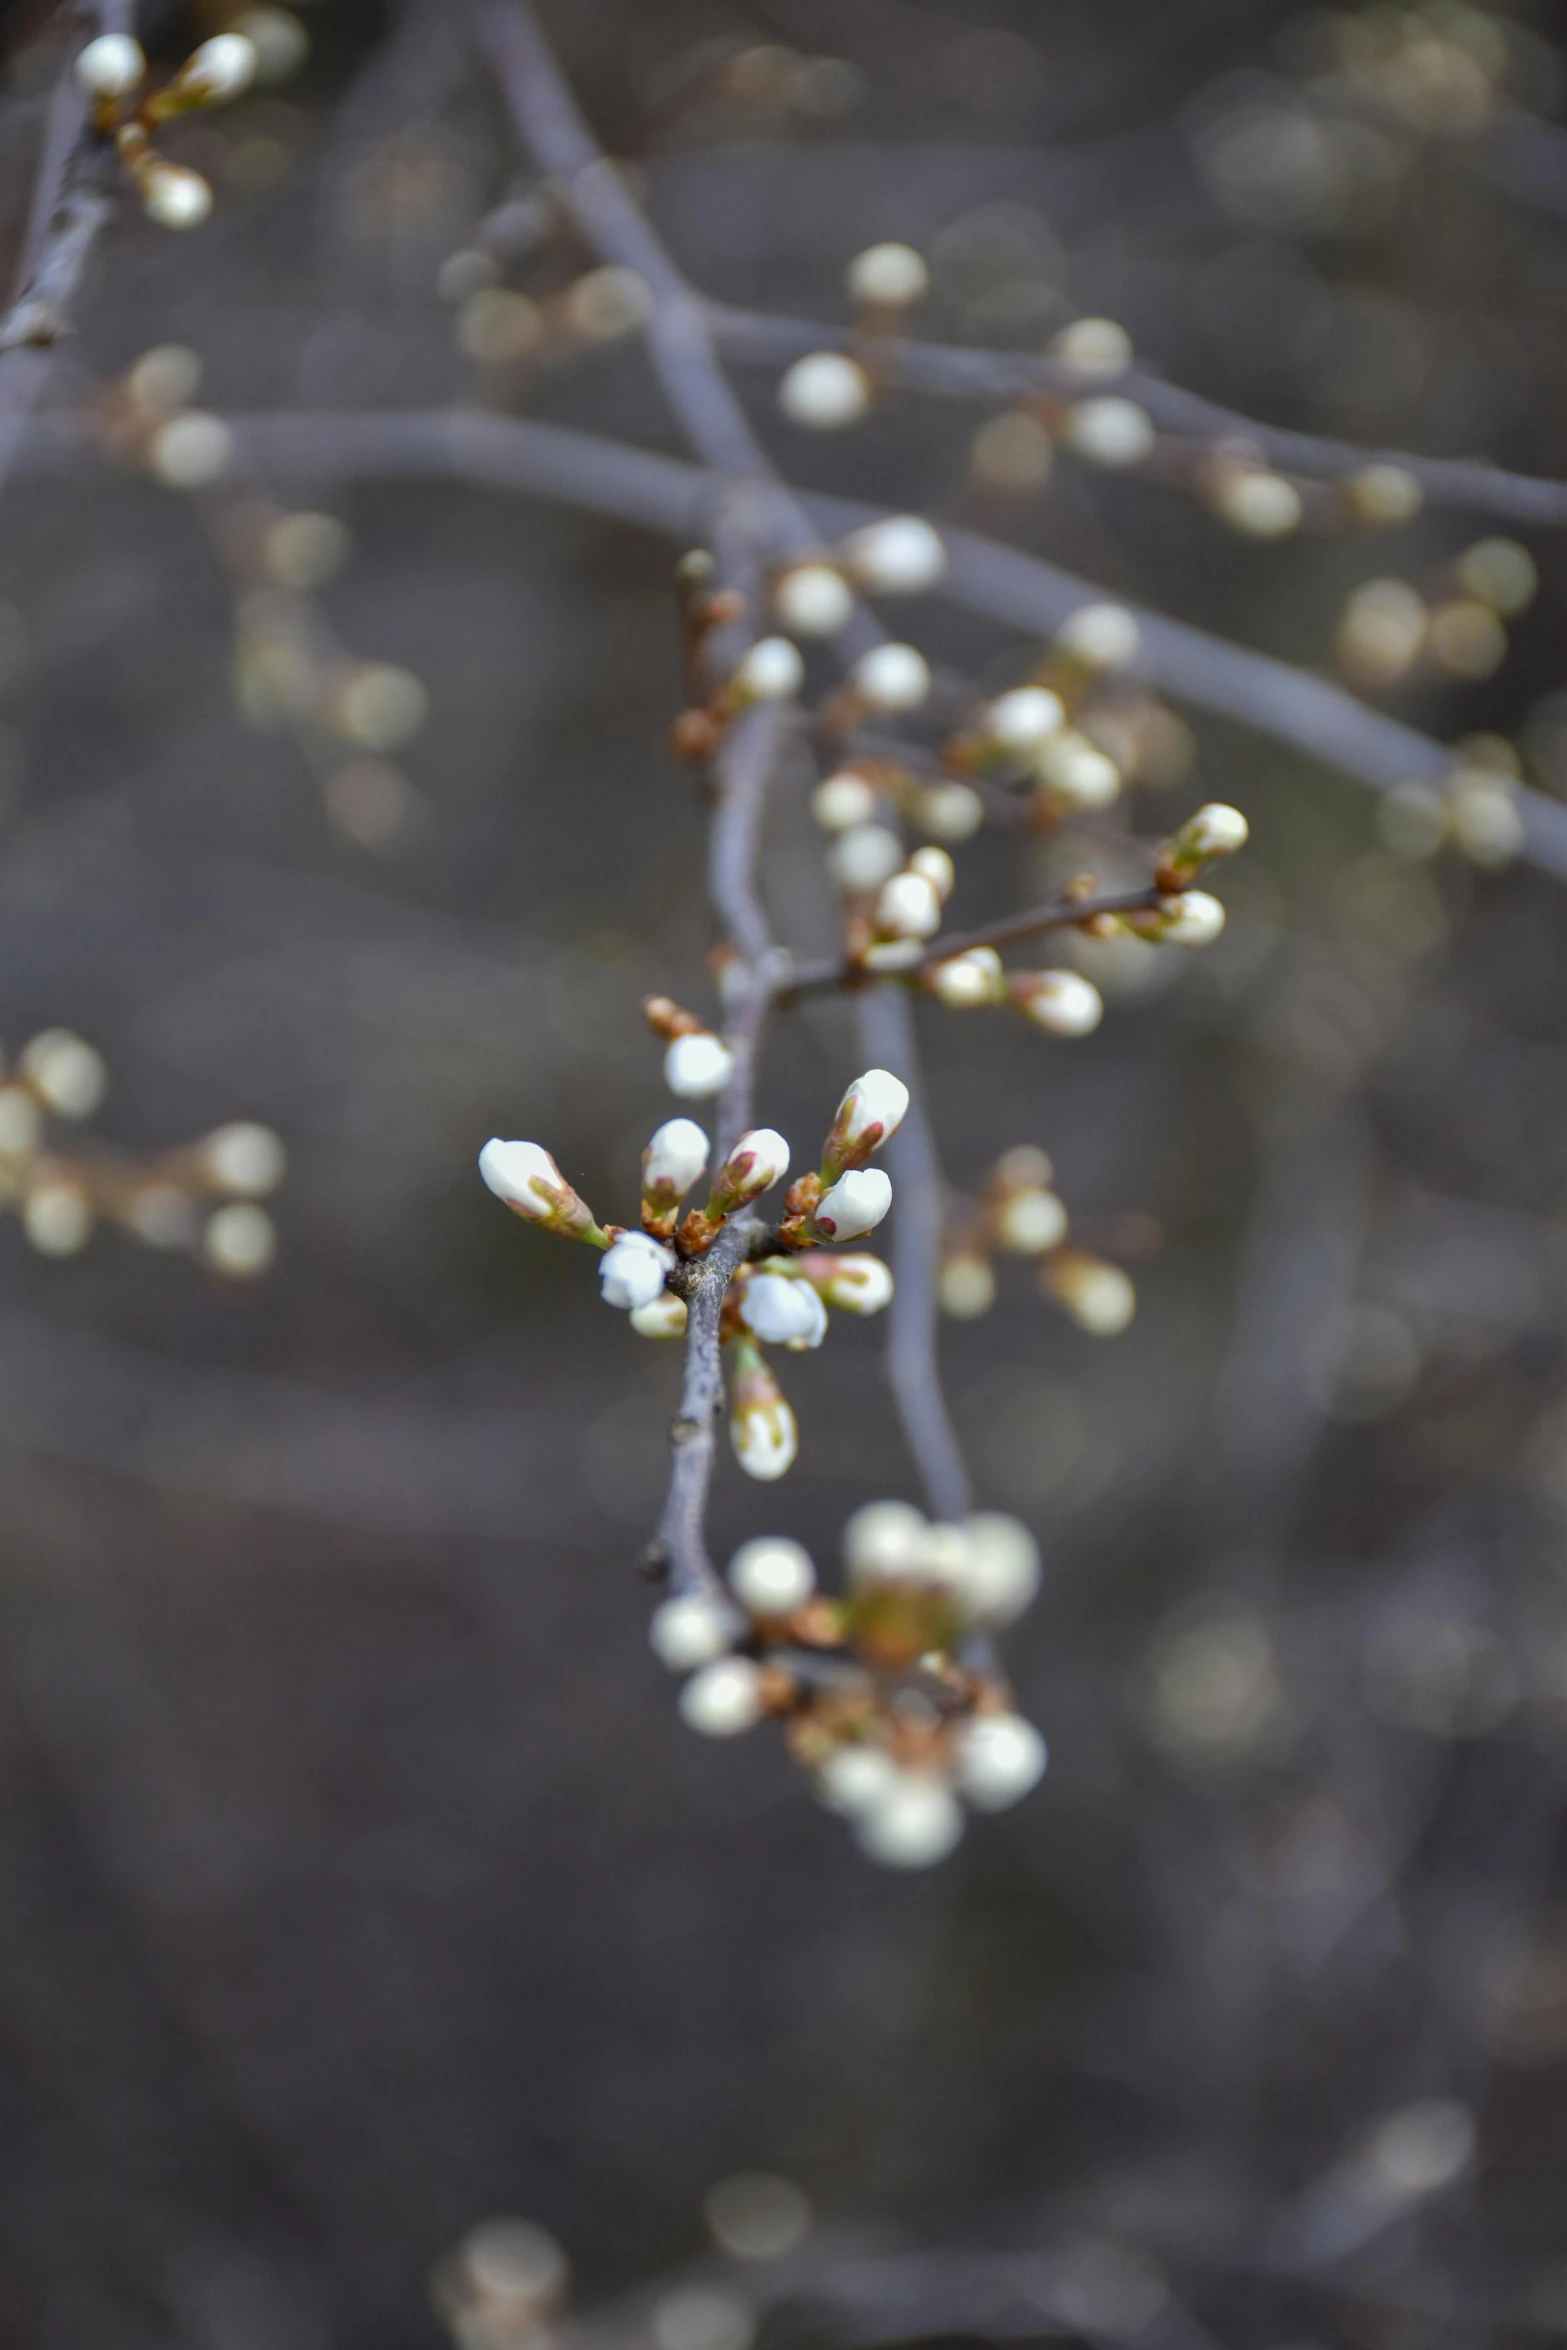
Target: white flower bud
(1483, 811)
(936, 867)
(917, 1822)
(853, 1778)
(968, 1287)
(871, 1111)
(1063, 1003)
(968, 980)
(772, 1576)
(1262, 504)
(631, 1271)
(758, 1161)
(1076, 773)
(901, 556)
(279, 40)
(1002, 1578)
(854, 1205)
(1029, 1222)
(813, 600)
(674, 1160)
(890, 276)
(824, 392)
(762, 1428)
(783, 1312)
(1191, 920)
(1110, 431)
(892, 677)
(864, 857)
(999, 1758)
(893, 954)
(1099, 1297)
(1024, 718)
(950, 811)
(723, 1699)
(221, 68)
(882, 1540)
(699, 1066)
(907, 907)
(191, 451)
(1101, 636)
(688, 1632)
(1094, 346)
(1215, 831)
(111, 66)
(21, 1122)
(1385, 493)
(240, 1241)
(65, 1072)
(57, 1218)
(244, 1158)
(663, 1317)
(843, 801)
(854, 1285)
(771, 671)
(528, 1180)
(174, 196)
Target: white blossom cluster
(265, 45)
(901, 1736)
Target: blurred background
(358, 1882)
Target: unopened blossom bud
(689, 1631)
(244, 1158)
(854, 1205)
(1075, 774)
(1215, 831)
(935, 866)
(1063, 1003)
(663, 1317)
(1024, 718)
(967, 1287)
(950, 811)
(174, 196)
(1384, 493)
(864, 857)
(824, 392)
(968, 980)
(813, 600)
(528, 1180)
(696, 1067)
(221, 68)
(1110, 431)
(21, 1122)
(854, 1778)
(872, 1110)
(1094, 346)
(901, 556)
(889, 277)
(1099, 1297)
(771, 1576)
(771, 671)
(917, 1822)
(723, 1699)
(674, 1160)
(57, 1217)
(1002, 1574)
(883, 1540)
(240, 1241)
(852, 1285)
(762, 1428)
(632, 1270)
(907, 907)
(758, 1161)
(65, 1072)
(111, 66)
(1191, 919)
(998, 1759)
(1029, 1222)
(843, 801)
(1100, 636)
(892, 677)
(782, 1312)
(1256, 501)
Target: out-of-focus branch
(71, 205)
(1063, 913)
(946, 371)
(1291, 705)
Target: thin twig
(945, 371)
(1064, 913)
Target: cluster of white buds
(1021, 1215)
(113, 69)
(1388, 628)
(907, 909)
(902, 1734)
(202, 1198)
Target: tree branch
(1063, 913)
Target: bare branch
(1063, 913)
